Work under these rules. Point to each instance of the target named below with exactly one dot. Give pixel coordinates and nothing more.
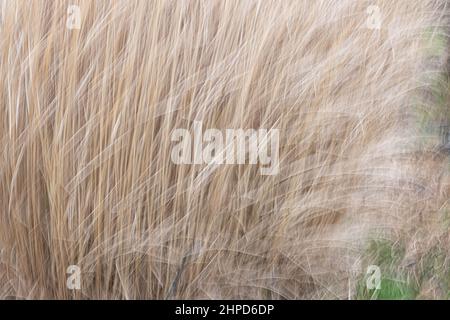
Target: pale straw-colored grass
(86, 116)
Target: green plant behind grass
(394, 285)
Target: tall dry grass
(86, 115)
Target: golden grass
(85, 121)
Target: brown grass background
(85, 121)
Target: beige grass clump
(86, 116)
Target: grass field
(91, 93)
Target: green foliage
(394, 285)
(397, 282)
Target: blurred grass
(394, 284)
(434, 111)
(402, 279)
